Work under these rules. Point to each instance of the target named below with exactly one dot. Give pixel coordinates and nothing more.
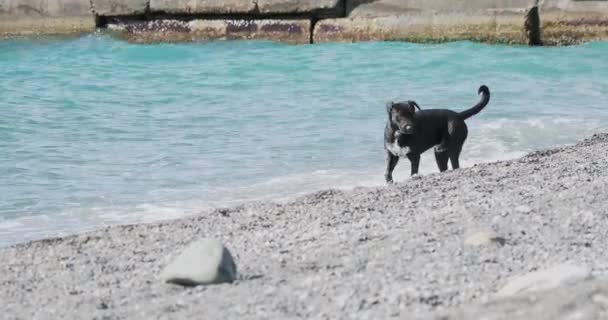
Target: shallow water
(95, 131)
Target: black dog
(409, 133)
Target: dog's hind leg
(391, 162)
(454, 155)
(460, 134)
(442, 159)
(415, 162)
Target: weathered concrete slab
(119, 7)
(427, 27)
(579, 6)
(561, 28)
(301, 6)
(399, 7)
(15, 9)
(289, 31)
(260, 7)
(563, 21)
(558, 27)
(26, 17)
(202, 6)
(46, 26)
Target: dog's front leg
(415, 161)
(391, 162)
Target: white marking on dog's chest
(396, 149)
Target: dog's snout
(408, 128)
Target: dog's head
(401, 116)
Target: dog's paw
(388, 178)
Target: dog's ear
(389, 108)
(413, 105)
(410, 107)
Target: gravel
(394, 251)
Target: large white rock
(563, 274)
(482, 238)
(205, 261)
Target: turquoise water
(95, 131)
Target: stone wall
(563, 21)
(24, 17)
(304, 21)
(329, 8)
(171, 30)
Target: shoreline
(369, 252)
(369, 179)
(422, 41)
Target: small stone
(523, 209)
(205, 261)
(484, 238)
(496, 221)
(563, 274)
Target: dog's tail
(485, 98)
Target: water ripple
(95, 131)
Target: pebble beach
(415, 249)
